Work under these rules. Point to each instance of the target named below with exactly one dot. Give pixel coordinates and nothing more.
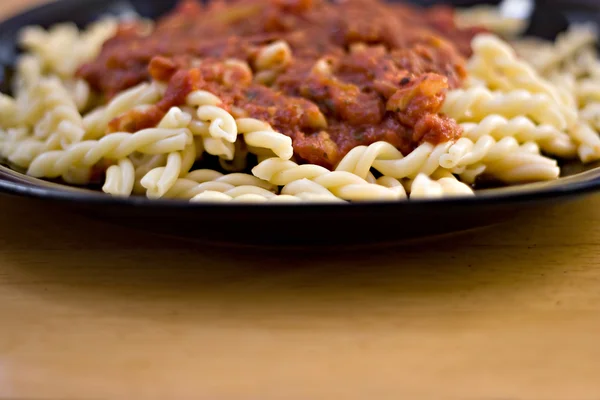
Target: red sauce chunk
(360, 71)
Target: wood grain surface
(95, 311)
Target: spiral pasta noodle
(96, 122)
(271, 60)
(424, 187)
(508, 161)
(342, 184)
(217, 124)
(276, 55)
(260, 135)
(63, 48)
(476, 103)
(216, 146)
(523, 129)
(591, 114)
(159, 180)
(143, 164)
(571, 62)
(20, 149)
(495, 63)
(80, 92)
(389, 161)
(54, 164)
(566, 46)
(200, 181)
(120, 178)
(8, 112)
(29, 72)
(250, 195)
(240, 160)
(30, 106)
(62, 115)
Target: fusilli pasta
(520, 108)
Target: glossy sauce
(361, 71)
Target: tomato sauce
(361, 70)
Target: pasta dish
(286, 101)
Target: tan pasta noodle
(8, 112)
(217, 145)
(523, 167)
(394, 184)
(311, 191)
(240, 158)
(80, 92)
(567, 82)
(257, 195)
(221, 124)
(200, 98)
(342, 184)
(63, 48)
(523, 130)
(159, 180)
(144, 163)
(565, 47)
(237, 197)
(475, 104)
(115, 146)
(220, 130)
(572, 63)
(243, 195)
(388, 160)
(360, 159)
(470, 173)
(501, 157)
(96, 122)
(271, 60)
(588, 91)
(213, 146)
(232, 76)
(29, 72)
(20, 148)
(531, 147)
(30, 105)
(424, 187)
(240, 191)
(61, 116)
(588, 62)
(120, 178)
(200, 181)
(425, 159)
(260, 135)
(591, 115)
(275, 56)
(589, 150)
(495, 63)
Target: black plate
(278, 225)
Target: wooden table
(92, 311)
(89, 310)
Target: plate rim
(576, 187)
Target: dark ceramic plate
(279, 225)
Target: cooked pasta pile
(524, 106)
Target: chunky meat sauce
(361, 71)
